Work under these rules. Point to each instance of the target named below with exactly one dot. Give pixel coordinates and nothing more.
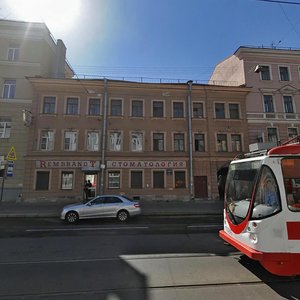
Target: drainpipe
(103, 143)
(190, 138)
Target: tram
(262, 207)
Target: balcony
(276, 116)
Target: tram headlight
(253, 238)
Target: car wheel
(72, 217)
(123, 215)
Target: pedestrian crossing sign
(11, 154)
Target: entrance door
(93, 179)
(200, 183)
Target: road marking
(84, 229)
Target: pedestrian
(89, 187)
(86, 190)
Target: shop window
(42, 180)
(67, 180)
(180, 179)
(114, 180)
(158, 179)
(136, 179)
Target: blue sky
(174, 39)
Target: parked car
(103, 206)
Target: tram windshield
(291, 176)
(241, 180)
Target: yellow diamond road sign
(11, 154)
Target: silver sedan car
(104, 206)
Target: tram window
(241, 179)
(291, 176)
(267, 198)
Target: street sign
(12, 155)
(10, 168)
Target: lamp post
(190, 137)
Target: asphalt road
(144, 259)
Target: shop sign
(65, 164)
(152, 164)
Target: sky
(168, 39)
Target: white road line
(83, 229)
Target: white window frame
(9, 89)
(137, 100)
(270, 73)
(67, 183)
(173, 110)
(137, 141)
(203, 110)
(5, 129)
(115, 141)
(288, 72)
(70, 138)
(13, 53)
(163, 109)
(92, 141)
(47, 140)
(111, 106)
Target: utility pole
(190, 137)
(103, 143)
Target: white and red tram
(262, 208)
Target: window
(47, 140)
(288, 104)
(137, 108)
(265, 73)
(49, 105)
(92, 141)
(291, 176)
(67, 180)
(158, 109)
(268, 103)
(158, 179)
(272, 135)
(42, 181)
(236, 143)
(136, 179)
(9, 89)
(222, 143)
(116, 107)
(178, 110)
(292, 132)
(158, 142)
(266, 198)
(70, 141)
(13, 53)
(178, 142)
(234, 111)
(114, 180)
(284, 73)
(198, 110)
(94, 107)
(72, 106)
(220, 110)
(180, 179)
(199, 142)
(5, 128)
(136, 141)
(115, 141)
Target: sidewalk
(149, 208)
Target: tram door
(93, 179)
